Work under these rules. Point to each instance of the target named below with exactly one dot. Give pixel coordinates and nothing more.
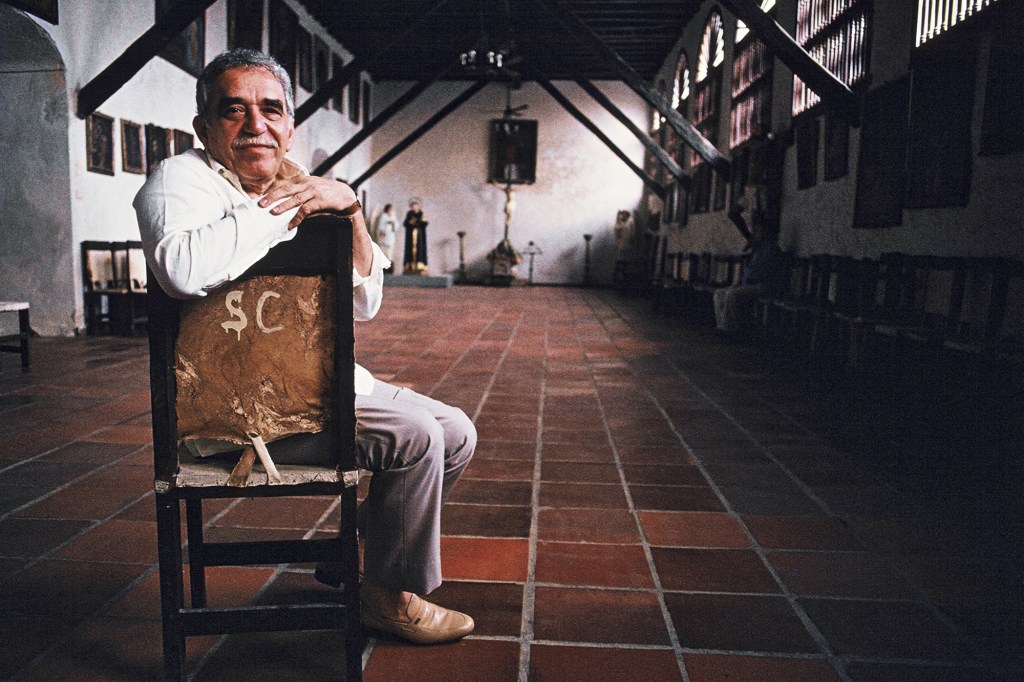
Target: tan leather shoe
(428, 623)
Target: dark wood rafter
(419, 132)
(656, 150)
(687, 132)
(360, 63)
(151, 43)
(378, 121)
(592, 127)
(832, 91)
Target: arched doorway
(36, 245)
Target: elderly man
(205, 217)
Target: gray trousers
(417, 448)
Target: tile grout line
(529, 605)
(659, 590)
(812, 629)
(922, 600)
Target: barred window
(656, 118)
(752, 66)
(835, 34)
(681, 85)
(741, 28)
(712, 47)
(936, 16)
(707, 93)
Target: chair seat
(12, 306)
(213, 472)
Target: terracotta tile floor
(649, 501)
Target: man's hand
(310, 194)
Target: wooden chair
(114, 296)
(802, 301)
(787, 285)
(322, 248)
(718, 273)
(21, 337)
(842, 279)
(879, 296)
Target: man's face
(414, 207)
(247, 128)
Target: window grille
(656, 118)
(741, 28)
(681, 86)
(936, 16)
(835, 34)
(712, 47)
(707, 95)
(751, 84)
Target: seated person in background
(205, 217)
(733, 304)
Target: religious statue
(504, 257)
(623, 231)
(415, 262)
(385, 227)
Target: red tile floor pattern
(647, 502)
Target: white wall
(819, 219)
(580, 182)
(90, 35)
(35, 202)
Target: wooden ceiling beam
(370, 127)
(360, 63)
(689, 134)
(600, 134)
(652, 147)
(822, 81)
(419, 132)
(151, 43)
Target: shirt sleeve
(367, 292)
(193, 238)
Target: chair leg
(196, 558)
(25, 331)
(355, 640)
(172, 588)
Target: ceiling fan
(509, 112)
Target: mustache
(243, 141)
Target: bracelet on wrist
(352, 210)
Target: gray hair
(241, 58)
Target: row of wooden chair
(685, 282)
(899, 301)
(114, 288)
(940, 339)
(844, 307)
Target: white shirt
(200, 229)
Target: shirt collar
(289, 169)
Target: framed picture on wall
(283, 29)
(158, 146)
(245, 24)
(305, 57)
(321, 66)
(671, 197)
(133, 159)
(513, 151)
(183, 141)
(44, 9)
(367, 94)
(99, 143)
(338, 100)
(187, 50)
